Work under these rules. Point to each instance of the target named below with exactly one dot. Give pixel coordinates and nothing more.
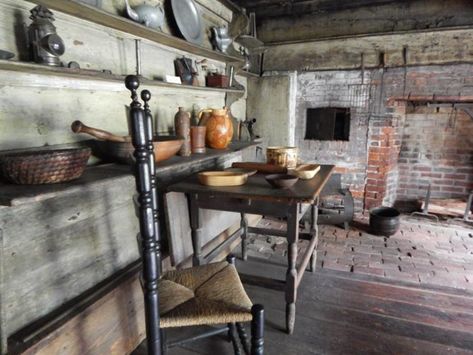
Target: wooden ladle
(79, 127)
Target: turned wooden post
(291, 273)
(149, 239)
(257, 330)
(244, 235)
(314, 231)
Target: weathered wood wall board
(424, 48)
(37, 109)
(57, 248)
(306, 20)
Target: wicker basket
(44, 166)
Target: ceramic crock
(282, 156)
(219, 129)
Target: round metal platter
(188, 20)
(6, 54)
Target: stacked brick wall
(437, 148)
(335, 89)
(382, 170)
(375, 164)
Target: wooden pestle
(79, 127)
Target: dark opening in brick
(328, 124)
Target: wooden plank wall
(56, 249)
(423, 48)
(38, 109)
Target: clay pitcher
(219, 129)
(182, 126)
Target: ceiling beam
(276, 8)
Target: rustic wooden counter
(57, 241)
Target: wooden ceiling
(277, 8)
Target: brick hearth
(421, 252)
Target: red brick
(455, 176)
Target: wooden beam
(269, 8)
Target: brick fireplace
(396, 146)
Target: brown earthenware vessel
(219, 129)
(182, 126)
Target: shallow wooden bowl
(222, 178)
(306, 171)
(248, 172)
(165, 147)
(281, 181)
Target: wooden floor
(344, 313)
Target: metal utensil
(188, 20)
(6, 54)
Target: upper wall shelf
(33, 68)
(104, 18)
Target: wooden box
(218, 81)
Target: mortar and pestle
(119, 148)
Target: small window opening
(328, 124)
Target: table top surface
(258, 188)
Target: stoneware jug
(182, 126)
(150, 16)
(219, 129)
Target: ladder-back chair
(210, 294)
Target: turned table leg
(196, 231)
(314, 230)
(244, 235)
(291, 274)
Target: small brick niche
(328, 124)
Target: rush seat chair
(210, 294)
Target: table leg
(244, 234)
(291, 274)
(314, 230)
(196, 231)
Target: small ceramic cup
(198, 139)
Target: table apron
(274, 209)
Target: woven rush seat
(207, 294)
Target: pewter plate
(188, 20)
(6, 54)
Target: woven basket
(44, 166)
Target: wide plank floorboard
(344, 313)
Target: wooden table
(258, 197)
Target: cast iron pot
(384, 221)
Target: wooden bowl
(222, 178)
(306, 171)
(281, 181)
(248, 172)
(165, 147)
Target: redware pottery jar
(219, 129)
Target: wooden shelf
(98, 16)
(97, 75)
(167, 171)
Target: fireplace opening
(328, 124)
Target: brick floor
(421, 251)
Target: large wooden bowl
(165, 147)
